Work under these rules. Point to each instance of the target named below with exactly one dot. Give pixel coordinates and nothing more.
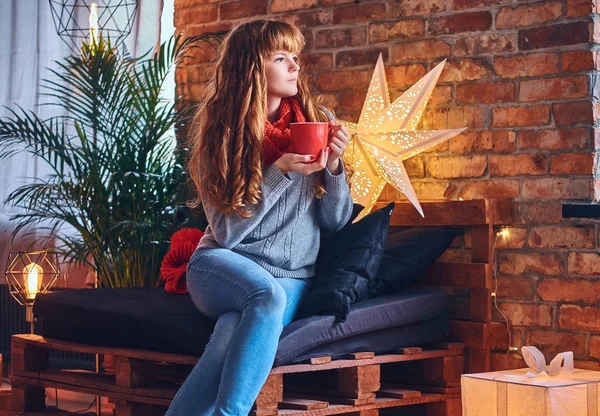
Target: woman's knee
(271, 297)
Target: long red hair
(227, 131)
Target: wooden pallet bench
(144, 382)
(362, 384)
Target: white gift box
(567, 392)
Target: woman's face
(282, 74)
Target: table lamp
(29, 273)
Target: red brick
(594, 346)
(581, 7)
(496, 189)
(523, 164)
(515, 287)
(237, 9)
(555, 289)
(556, 188)
(336, 38)
(584, 263)
(342, 80)
(316, 61)
(554, 139)
(483, 44)
(456, 166)
(524, 314)
(198, 14)
(278, 6)
(554, 35)
(535, 115)
(198, 29)
(464, 70)
(531, 65)
(405, 75)
(455, 117)
(360, 57)
(528, 15)
(433, 190)
(478, 141)
(538, 212)
(517, 263)
(460, 22)
(549, 236)
(359, 13)
(587, 364)
(499, 361)
(420, 50)
(486, 92)
(553, 88)
(404, 29)
(416, 7)
(579, 318)
(352, 100)
(510, 237)
(182, 4)
(334, 2)
(572, 163)
(476, 4)
(309, 19)
(415, 167)
(566, 114)
(550, 343)
(577, 61)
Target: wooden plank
(132, 372)
(378, 359)
(92, 390)
(294, 402)
(398, 393)
(467, 275)
(482, 243)
(380, 403)
(362, 355)
(503, 211)
(337, 400)
(438, 213)
(410, 350)
(480, 305)
(271, 392)
(423, 387)
(318, 360)
(99, 381)
(51, 343)
(450, 346)
(472, 334)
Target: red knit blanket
(174, 265)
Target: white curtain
(31, 45)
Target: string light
(504, 233)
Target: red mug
(309, 138)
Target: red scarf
(277, 135)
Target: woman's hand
(306, 164)
(338, 141)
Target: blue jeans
(251, 307)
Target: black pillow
(409, 252)
(346, 265)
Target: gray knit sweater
(283, 233)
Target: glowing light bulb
(93, 23)
(32, 274)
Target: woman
(265, 207)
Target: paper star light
(385, 136)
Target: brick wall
(522, 75)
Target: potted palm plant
(116, 172)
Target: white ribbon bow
(562, 364)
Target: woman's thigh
(295, 290)
(220, 280)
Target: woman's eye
(280, 59)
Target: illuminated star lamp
(385, 136)
(30, 273)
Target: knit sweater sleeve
(230, 230)
(335, 208)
